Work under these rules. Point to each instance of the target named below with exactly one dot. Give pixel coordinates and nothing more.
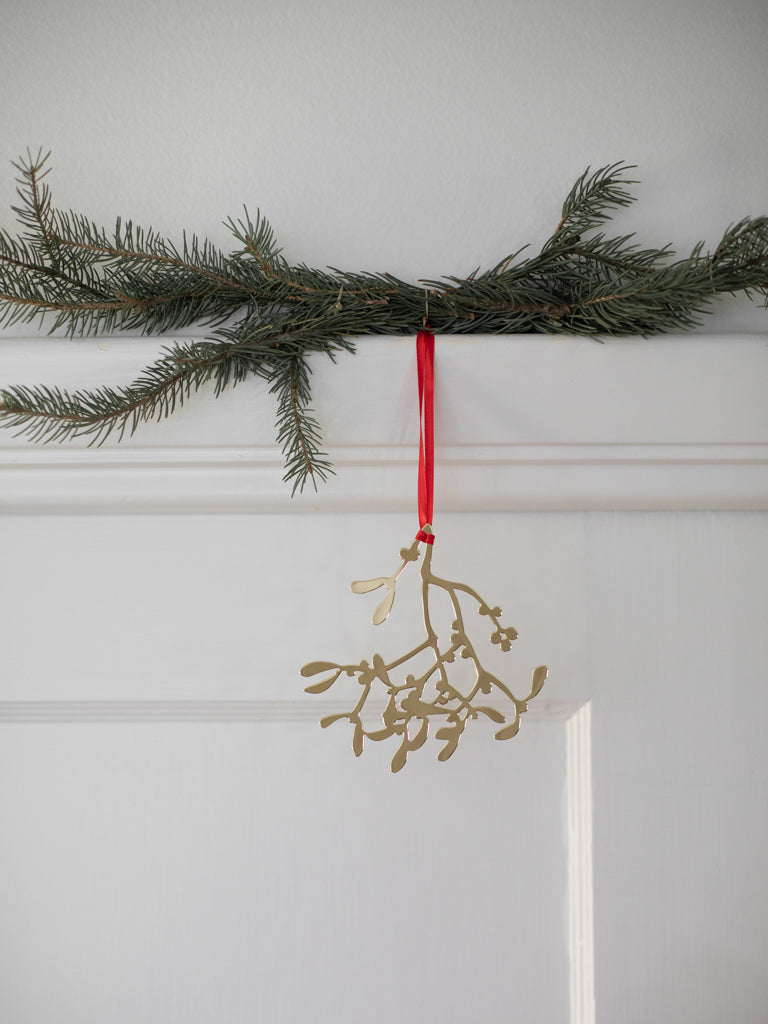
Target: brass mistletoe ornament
(416, 700)
(427, 694)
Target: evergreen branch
(271, 315)
(298, 430)
(48, 272)
(629, 261)
(35, 212)
(174, 260)
(592, 197)
(258, 240)
(52, 414)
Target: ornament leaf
(357, 739)
(493, 714)
(445, 734)
(401, 756)
(366, 586)
(326, 684)
(539, 678)
(330, 719)
(384, 608)
(510, 731)
(381, 734)
(453, 735)
(421, 736)
(317, 666)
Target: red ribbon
(425, 368)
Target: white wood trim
(525, 422)
(300, 710)
(578, 783)
(580, 884)
(468, 478)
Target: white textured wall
(423, 137)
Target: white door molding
(578, 784)
(470, 478)
(522, 423)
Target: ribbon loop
(425, 368)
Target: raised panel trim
(83, 711)
(468, 478)
(581, 939)
(578, 784)
(523, 422)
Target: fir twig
(298, 430)
(53, 414)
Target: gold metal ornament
(430, 696)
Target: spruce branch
(592, 198)
(269, 316)
(298, 430)
(35, 212)
(45, 413)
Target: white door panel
(205, 871)
(182, 843)
(680, 768)
(230, 607)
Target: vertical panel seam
(580, 876)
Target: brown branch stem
(41, 268)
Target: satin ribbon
(425, 368)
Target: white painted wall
(422, 137)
